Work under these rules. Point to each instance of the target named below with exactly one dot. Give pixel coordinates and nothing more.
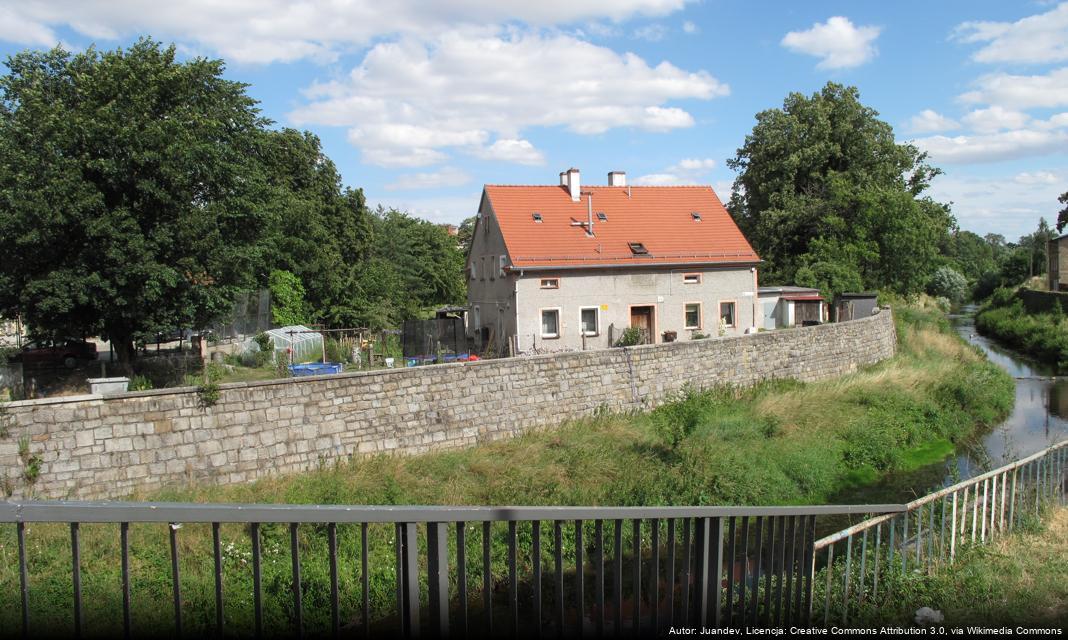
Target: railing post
(437, 543)
(408, 576)
(701, 577)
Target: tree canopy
(140, 193)
(829, 198)
(131, 197)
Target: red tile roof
(658, 217)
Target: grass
(1017, 580)
(779, 443)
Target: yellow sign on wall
(604, 307)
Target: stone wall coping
(400, 371)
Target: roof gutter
(630, 265)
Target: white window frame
(472, 270)
(734, 314)
(596, 322)
(541, 324)
(542, 281)
(477, 317)
(696, 278)
(700, 315)
(502, 265)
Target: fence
(534, 570)
(427, 339)
(971, 512)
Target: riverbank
(1041, 335)
(1018, 580)
(779, 443)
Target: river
(1038, 419)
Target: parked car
(53, 352)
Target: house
(1057, 253)
(566, 266)
(790, 306)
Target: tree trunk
(123, 348)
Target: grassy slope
(780, 443)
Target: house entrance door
(645, 319)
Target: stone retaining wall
(94, 447)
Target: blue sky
(420, 103)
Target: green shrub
(140, 383)
(630, 337)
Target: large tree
(131, 193)
(829, 198)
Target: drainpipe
(756, 299)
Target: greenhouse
(305, 343)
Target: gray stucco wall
(490, 294)
(94, 447)
(614, 292)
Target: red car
(53, 352)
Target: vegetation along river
(1038, 419)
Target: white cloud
(1021, 92)
(446, 177)
(651, 32)
(993, 147)
(17, 28)
(1004, 204)
(443, 209)
(1038, 177)
(930, 121)
(838, 42)
(1034, 39)
(510, 150)
(689, 27)
(264, 31)
(407, 101)
(995, 118)
(685, 171)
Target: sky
(421, 103)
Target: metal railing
(930, 531)
(514, 571)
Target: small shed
(853, 306)
(791, 306)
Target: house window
(602, 216)
(550, 323)
(550, 283)
(471, 269)
(477, 318)
(691, 278)
(502, 265)
(482, 267)
(696, 215)
(536, 216)
(693, 315)
(589, 321)
(726, 314)
(638, 249)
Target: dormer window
(536, 216)
(696, 215)
(638, 249)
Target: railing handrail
(931, 497)
(114, 511)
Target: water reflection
(1039, 419)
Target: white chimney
(573, 185)
(617, 179)
(563, 178)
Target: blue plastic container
(314, 369)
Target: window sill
(550, 336)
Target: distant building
(1057, 251)
(854, 306)
(790, 306)
(567, 266)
